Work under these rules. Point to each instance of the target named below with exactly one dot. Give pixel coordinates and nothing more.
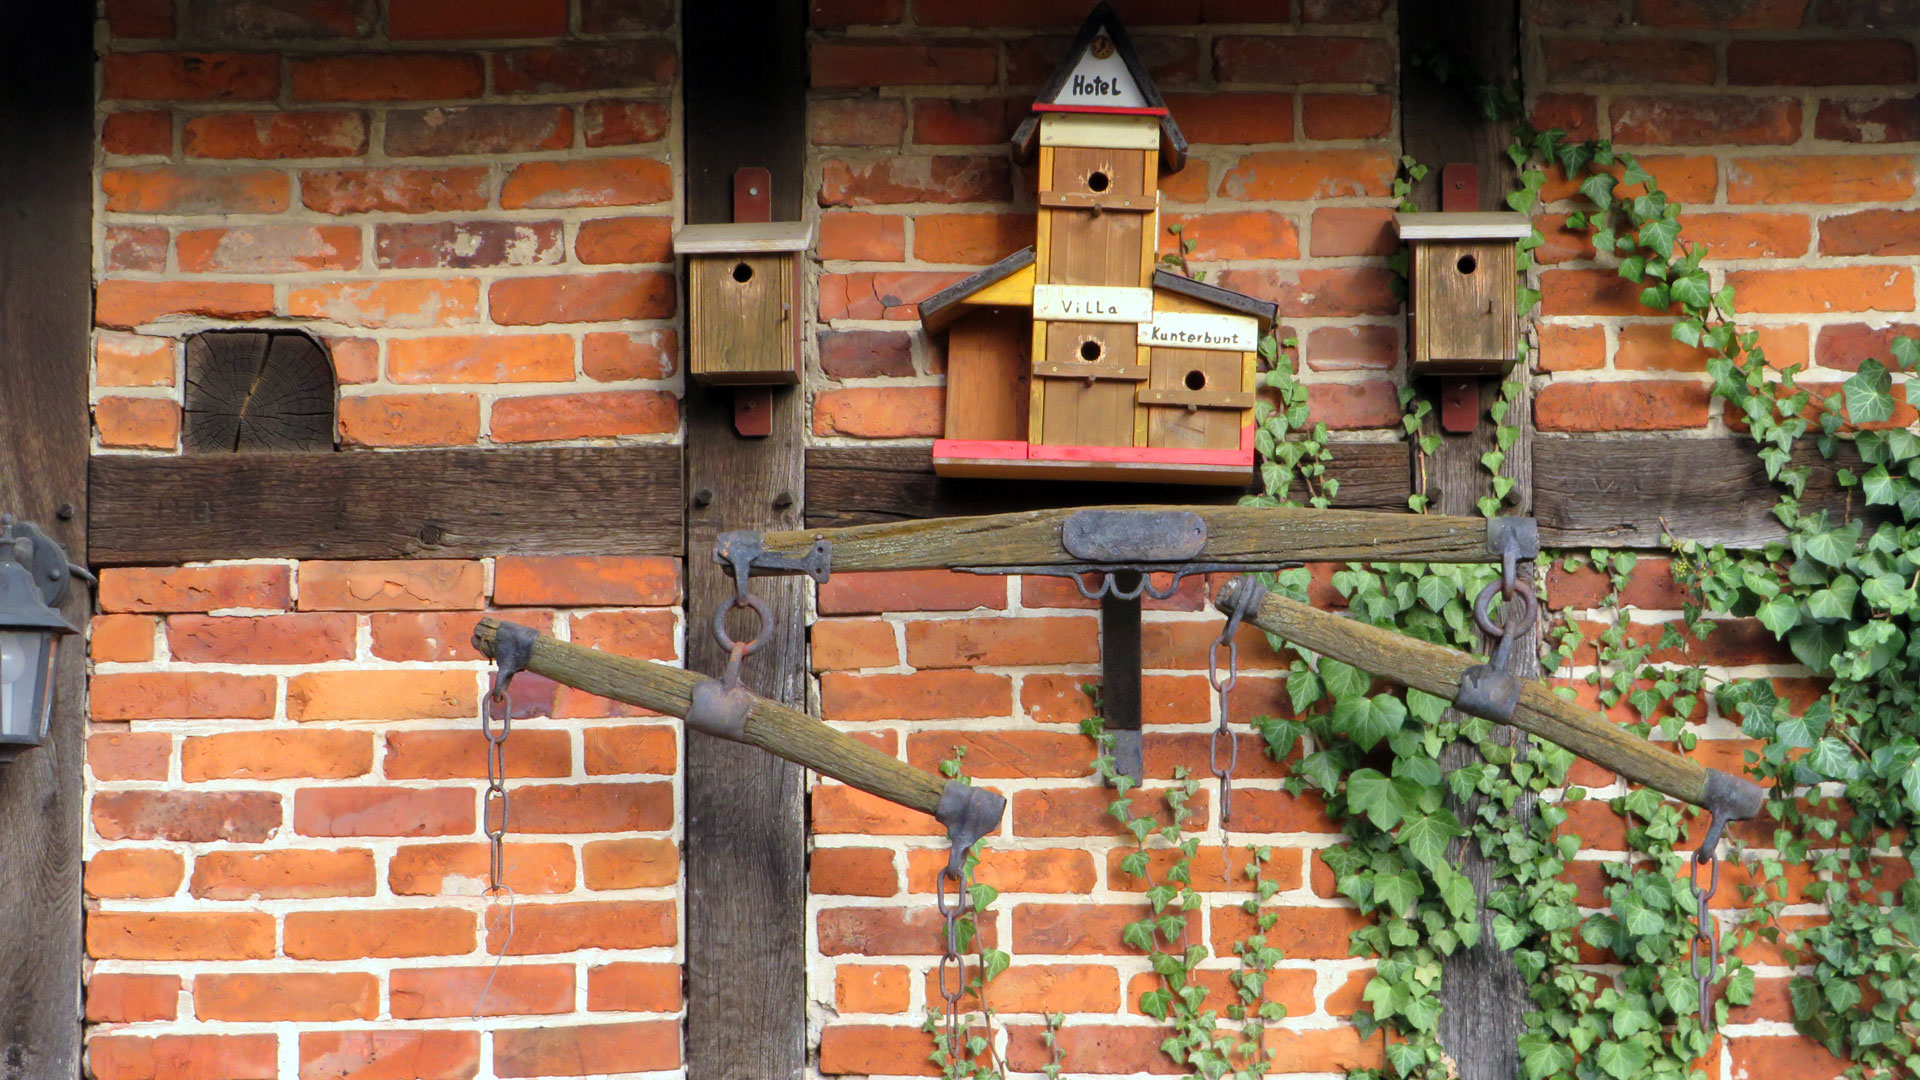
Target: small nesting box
(1463, 295)
(743, 301)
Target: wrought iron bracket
(512, 652)
(1731, 798)
(745, 551)
(1515, 538)
(1489, 693)
(969, 813)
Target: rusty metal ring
(959, 892)
(759, 607)
(1480, 617)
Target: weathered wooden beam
(46, 307)
(745, 95)
(1592, 491)
(768, 725)
(1244, 534)
(863, 485)
(1483, 998)
(1437, 670)
(362, 505)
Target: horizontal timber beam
(864, 485)
(1592, 491)
(1234, 534)
(455, 503)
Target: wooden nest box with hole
(743, 301)
(1075, 358)
(1463, 299)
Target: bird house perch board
(1076, 358)
(1465, 306)
(743, 300)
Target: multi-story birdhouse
(743, 300)
(1076, 357)
(1463, 316)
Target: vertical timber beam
(1483, 998)
(745, 91)
(46, 301)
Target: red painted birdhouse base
(1130, 464)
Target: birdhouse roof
(1101, 73)
(1490, 225)
(743, 238)
(1015, 276)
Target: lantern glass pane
(26, 673)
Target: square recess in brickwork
(258, 390)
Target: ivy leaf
(1544, 1055)
(1780, 614)
(1879, 487)
(1623, 1060)
(1434, 592)
(1633, 268)
(1659, 234)
(1425, 836)
(1693, 289)
(1304, 687)
(1869, 393)
(1371, 792)
(1344, 681)
(1397, 892)
(1368, 720)
(1506, 933)
(1457, 893)
(1599, 189)
(1906, 350)
(1832, 759)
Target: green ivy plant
(1839, 590)
(1197, 1038)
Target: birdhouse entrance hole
(1196, 380)
(1098, 181)
(1466, 265)
(742, 273)
(1091, 350)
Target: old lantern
(34, 575)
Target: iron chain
(496, 723)
(953, 965)
(1223, 688)
(1706, 931)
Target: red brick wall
(1788, 129)
(471, 204)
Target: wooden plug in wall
(1463, 301)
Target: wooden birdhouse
(1076, 358)
(1463, 299)
(743, 301)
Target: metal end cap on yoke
(969, 813)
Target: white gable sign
(1100, 77)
